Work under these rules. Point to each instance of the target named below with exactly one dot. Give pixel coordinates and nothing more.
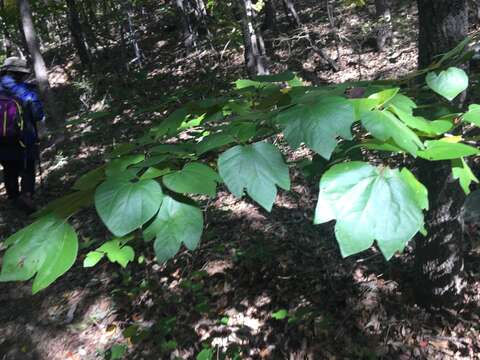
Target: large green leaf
(449, 83)
(383, 125)
(370, 203)
(194, 178)
(256, 168)
(464, 174)
(473, 114)
(125, 206)
(318, 125)
(47, 248)
(176, 223)
(446, 150)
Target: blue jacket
(33, 113)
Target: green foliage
(144, 187)
(175, 223)
(124, 205)
(449, 83)
(47, 249)
(369, 203)
(256, 168)
(115, 250)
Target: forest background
(259, 285)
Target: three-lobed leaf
(370, 203)
(175, 223)
(257, 168)
(318, 125)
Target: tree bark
(77, 34)
(439, 256)
(270, 20)
(255, 56)
(41, 74)
(291, 13)
(442, 25)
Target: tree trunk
(291, 13)
(189, 32)
(439, 256)
(270, 20)
(255, 57)
(39, 67)
(442, 25)
(77, 34)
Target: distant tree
(56, 120)
(255, 53)
(78, 34)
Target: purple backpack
(11, 121)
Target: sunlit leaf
(473, 114)
(47, 248)
(446, 150)
(369, 203)
(449, 83)
(383, 125)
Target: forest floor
(260, 286)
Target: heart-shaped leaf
(125, 206)
(256, 168)
(47, 248)
(370, 203)
(449, 83)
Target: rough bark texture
(270, 20)
(41, 75)
(439, 256)
(442, 25)
(77, 34)
(255, 57)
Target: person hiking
(21, 116)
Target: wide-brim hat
(15, 64)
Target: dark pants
(15, 169)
